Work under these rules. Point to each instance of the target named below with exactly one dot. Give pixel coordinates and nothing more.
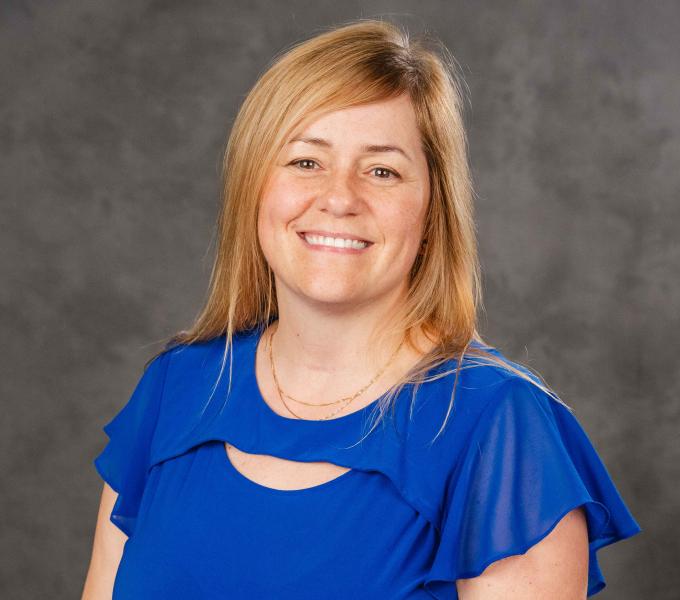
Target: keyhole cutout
(280, 473)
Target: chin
(330, 295)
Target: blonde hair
(362, 61)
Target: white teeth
(319, 240)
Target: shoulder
(185, 355)
(205, 357)
(470, 420)
(479, 386)
(198, 372)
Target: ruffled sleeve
(527, 464)
(124, 462)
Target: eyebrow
(368, 148)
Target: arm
(555, 568)
(106, 551)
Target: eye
(385, 171)
(303, 160)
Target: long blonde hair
(362, 61)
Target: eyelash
(295, 162)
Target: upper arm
(107, 550)
(555, 568)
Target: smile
(334, 244)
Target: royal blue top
(409, 518)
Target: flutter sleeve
(527, 464)
(124, 462)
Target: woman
(333, 426)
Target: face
(354, 174)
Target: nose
(341, 195)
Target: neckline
(264, 408)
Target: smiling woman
(249, 461)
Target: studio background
(114, 116)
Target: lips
(335, 234)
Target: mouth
(339, 242)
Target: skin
(328, 304)
(107, 550)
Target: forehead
(376, 123)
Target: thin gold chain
(346, 399)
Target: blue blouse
(409, 517)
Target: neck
(320, 354)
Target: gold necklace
(346, 399)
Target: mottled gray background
(113, 117)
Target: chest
(206, 530)
(281, 473)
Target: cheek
(404, 224)
(282, 201)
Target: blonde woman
(333, 425)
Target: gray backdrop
(114, 115)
